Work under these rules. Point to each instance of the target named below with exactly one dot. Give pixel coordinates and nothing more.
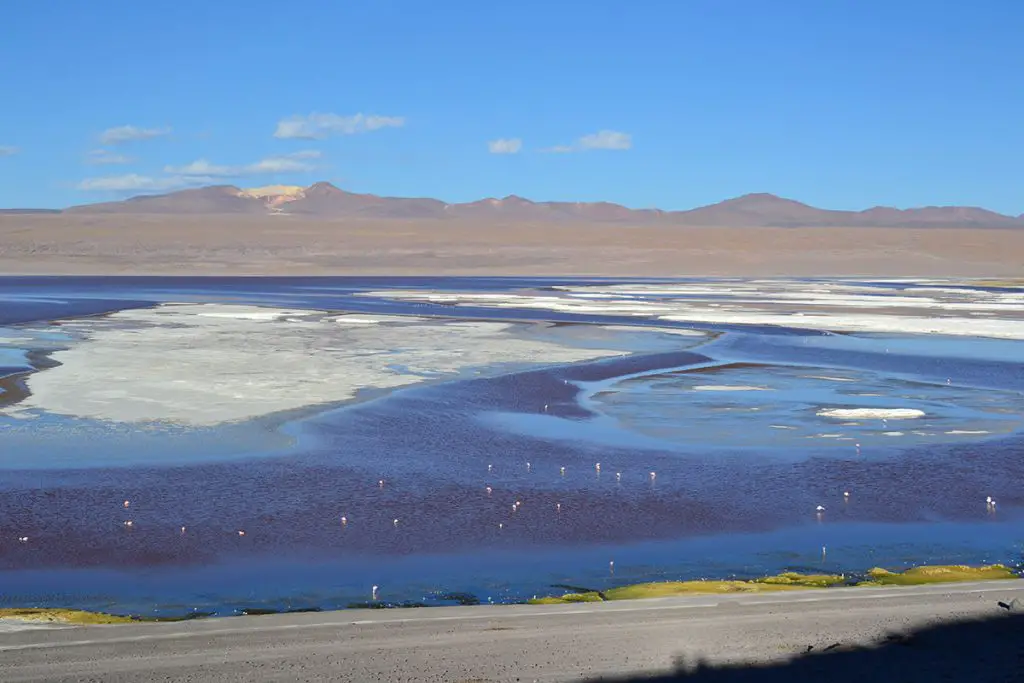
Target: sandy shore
(283, 245)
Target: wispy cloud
(8, 151)
(505, 146)
(602, 139)
(317, 126)
(105, 157)
(133, 182)
(606, 139)
(201, 172)
(296, 162)
(122, 134)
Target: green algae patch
(916, 576)
(568, 598)
(62, 616)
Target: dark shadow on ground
(977, 651)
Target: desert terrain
(323, 230)
(115, 244)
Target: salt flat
(837, 306)
(203, 364)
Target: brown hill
(324, 200)
(215, 199)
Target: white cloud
(133, 182)
(107, 158)
(606, 139)
(317, 126)
(602, 139)
(121, 134)
(505, 146)
(286, 163)
(305, 154)
(8, 151)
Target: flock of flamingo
(819, 510)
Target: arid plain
(112, 244)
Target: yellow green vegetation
(804, 580)
(1012, 283)
(62, 616)
(783, 582)
(916, 576)
(789, 581)
(590, 596)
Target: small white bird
(490, 467)
(128, 522)
(489, 489)
(597, 466)
(127, 503)
(611, 566)
(344, 520)
(241, 533)
(373, 593)
(846, 494)
(558, 507)
(653, 475)
(396, 521)
(501, 525)
(618, 476)
(820, 508)
(22, 539)
(527, 467)
(563, 471)
(182, 529)
(380, 483)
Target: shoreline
(785, 584)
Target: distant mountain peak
(323, 199)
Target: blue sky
(669, 103)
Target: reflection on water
(428, 479)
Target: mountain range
(325, 201)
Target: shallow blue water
(731, 496)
